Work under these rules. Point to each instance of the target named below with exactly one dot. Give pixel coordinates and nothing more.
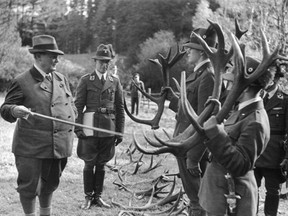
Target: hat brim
(59, 52)
(196, 46)
(101, 58)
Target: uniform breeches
(96, 150)
(272, 184)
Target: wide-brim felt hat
(104, 52)
(45, 43)
(208, 35)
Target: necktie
(48, 77)
(266, 98)
(102, 80)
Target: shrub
(161, 42)
(72, 71)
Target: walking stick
(75, 124)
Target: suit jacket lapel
(95, 81)
(39, 78)
(108, 83)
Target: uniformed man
(235, 146)
(199, 86)
(272, 164)
(40, 146)
(99, 101)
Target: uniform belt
(278, 133)
(104, 110)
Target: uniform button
(55, 131)
(61, 85)
(69, 116)
(52, 105)
(70, 130)
(66, 104)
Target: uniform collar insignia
(280, 95)
(92, 77)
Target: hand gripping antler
(165, 64)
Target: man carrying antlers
(235, 146)
(199, 87)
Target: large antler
(165, 64)
(243, 79)
(219, 59)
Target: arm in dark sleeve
(13, 98)
(119, 109)
(80, 101)
(239, 156)
(205, 91)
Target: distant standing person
(135, 93)
(99, 99)
(40, 146)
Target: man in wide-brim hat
(40, 146)
(199, 86)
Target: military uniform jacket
(199, 86)
(92, 96)
(235, 150)
(37, 137)
(277, 110)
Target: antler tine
(164, 65)
(238, 83)
(177, 84)
(154, 123)
(167, 134)
(151, 142)
(267, 59)
(187, 108)
(151, 151)
(184, 144)
(220, 35)
(219, 58)
(238, 32)
(149, 204)
(178, 55)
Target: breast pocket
(277, 119)
(93, 94)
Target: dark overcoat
(37, 137)
(235, 150)
(199, 86)
(92, 96)
(277, 110)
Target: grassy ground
(69, 195)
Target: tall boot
(88, 180)
(271, 205)
(98, 188)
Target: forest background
(138, 30)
